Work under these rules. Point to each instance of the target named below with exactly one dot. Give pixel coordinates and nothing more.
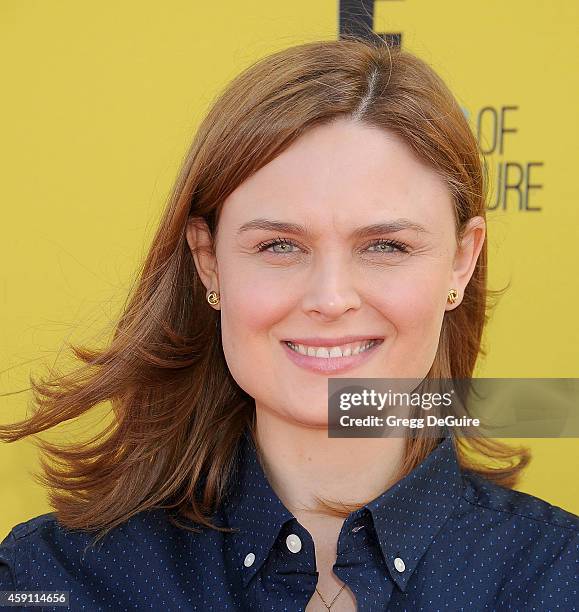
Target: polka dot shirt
(440, 539)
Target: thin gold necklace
(333, 600)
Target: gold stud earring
(213, 298)
(452, 295)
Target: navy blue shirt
(440, 539)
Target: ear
(466, 257)
(201, 245)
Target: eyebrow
(387, 227)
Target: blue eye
(262, 246)
(395, 244)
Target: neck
(302, 462)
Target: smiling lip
(331, 365)
(331, 341)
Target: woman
(329, 221)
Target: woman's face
(330, 279)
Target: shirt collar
(406, 517)
(254, 508)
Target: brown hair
(178, 413)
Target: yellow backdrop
(100, 101)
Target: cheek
(413, 304)
(253, 303)
(251, 306)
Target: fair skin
(327, 283)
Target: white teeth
(331, 351)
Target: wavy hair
(178, 413)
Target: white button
(249, 559)
(399, 564)
(293, 543)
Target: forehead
(341, 173)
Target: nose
(330, 290)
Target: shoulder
(25, 528)
(504, 504)
(144, 562)
(528, 546)
(527, 534)
(42, 546)
(13, 550)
